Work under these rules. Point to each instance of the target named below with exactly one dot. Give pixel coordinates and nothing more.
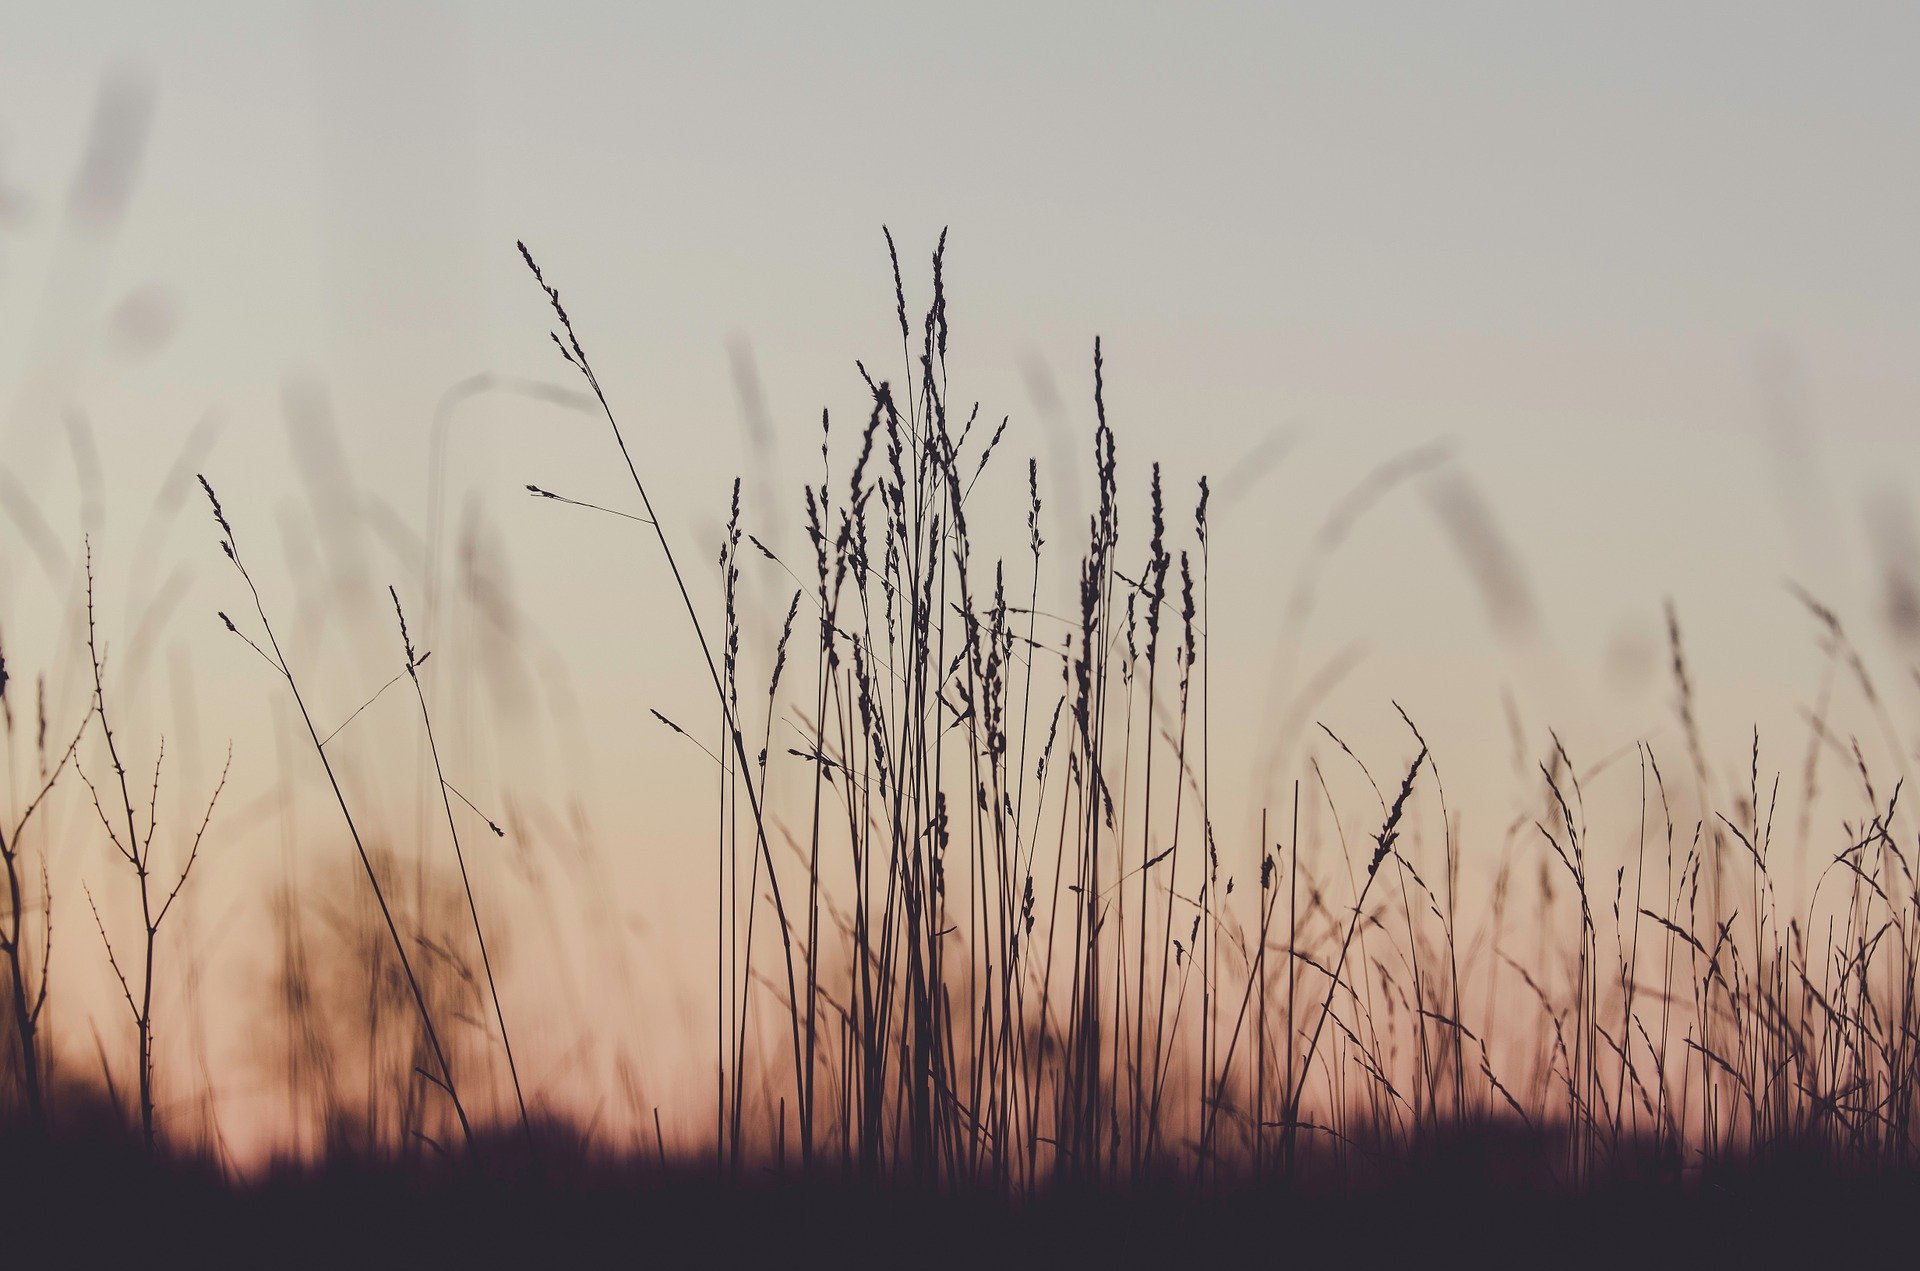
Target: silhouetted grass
(1029, 988)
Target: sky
(1644, 273)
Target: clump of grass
(1019, 944)
(135, 846)
(443, 1077)
(27, 979)
(974, 1046)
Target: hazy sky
(1567, 236)
(1649, 270)
(1648, 267)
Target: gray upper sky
(1648, 268)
